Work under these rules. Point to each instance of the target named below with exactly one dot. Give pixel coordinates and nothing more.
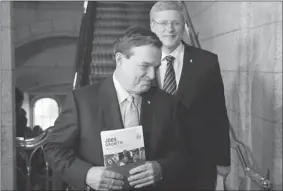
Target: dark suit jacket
(74, 144)
(201, 91)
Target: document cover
(123, 149)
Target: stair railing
(26, 149)
(263, 182)
(245, 162)
(189, 28)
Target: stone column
(7, 124)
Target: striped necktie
(170, 85)
(131, 113)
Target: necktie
(131, 113)
(170, 84)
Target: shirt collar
(122, 94)
(175, 53)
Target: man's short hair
(134, 37)
(166, 6)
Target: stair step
(102, 46)
(122, 16)
(114, 22)
(122, 9)
(109, 32)
(124, 3)
(110, 23)
(102, 74)
(105, 63)
(112, 26)
(99, 54)
(103, 70)
(104, 40)
(102, 56)
(128, 22)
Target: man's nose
(170, 27)
(151, 73)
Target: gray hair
(166, 6)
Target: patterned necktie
(131, 113)
(170, 85)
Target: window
(45, 112)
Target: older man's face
(169, 27)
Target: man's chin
(145, 88)
(169, 45)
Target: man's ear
(152, 26)
(119, 58)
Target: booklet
(123, 149)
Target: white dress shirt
(122, 95)
(178, 54)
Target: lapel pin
(191, 60)
(148, 102)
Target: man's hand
(223, 170)
(99, 178)
(145, 175)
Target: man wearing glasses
(193, 77)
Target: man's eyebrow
(169, 20)
(148, 63)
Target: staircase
(112, 18)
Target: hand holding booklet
(123, 149)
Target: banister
(264, 183)
(33, 142)
(26, 148)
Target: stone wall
(45, 41)
(42, 19)
(247, 36)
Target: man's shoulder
(86, 88)
(97, 90)
(199, 51)
(87, 91)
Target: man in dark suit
(193, 77)
(74, 147)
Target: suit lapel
(110, 106)
(187, 81)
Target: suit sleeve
(217, 117)
(61, 146)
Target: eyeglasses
(166, 23)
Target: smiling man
(125, 99)
(192, 76)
